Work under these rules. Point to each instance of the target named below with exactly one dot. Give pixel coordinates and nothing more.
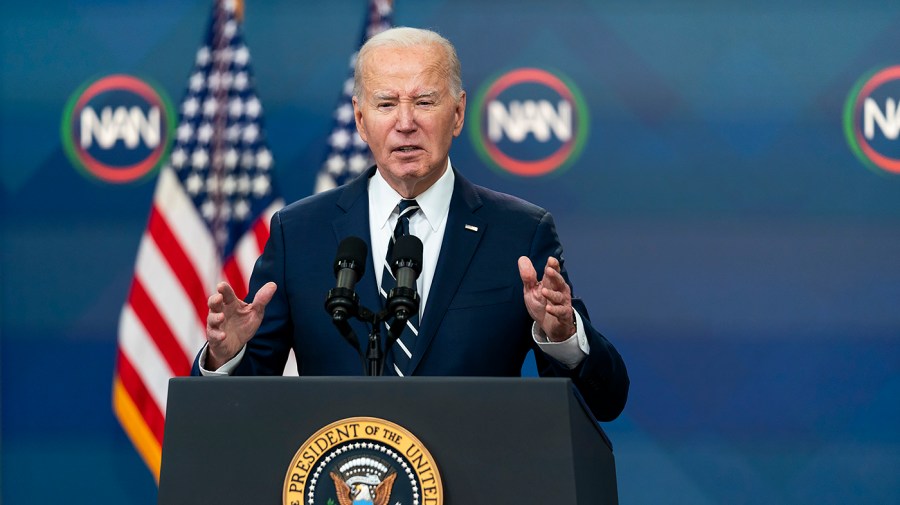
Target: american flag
(209, 221)
(348, 155)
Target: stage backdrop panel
(723, 189)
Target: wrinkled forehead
(405, 71)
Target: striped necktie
(402, 350)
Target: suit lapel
(354, 221)
(461, 238)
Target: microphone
(349, 266)
(406, 264)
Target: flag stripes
(208, 221)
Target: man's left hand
(549, 301)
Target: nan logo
(872, 120)
(117, 129)
(529, 122)
(362, 461)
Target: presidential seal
(362, 461)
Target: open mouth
(407, 149)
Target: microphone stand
(403, 301)
(373, 359)
(374, 356)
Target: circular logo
(529, 122)
(872, 119)
(117, 129)
(362, 461)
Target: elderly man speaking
(483, 303)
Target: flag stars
(384, 7)
(242, 56)
(241, 209)
(227, 79)
(344, 114)
(261, 185)
(231, 159)
(208, 209)
(220, 150)
(213, 184)
(220, 81)
(253, 108)
(251, 133)
(339, 139)
(199, 158)
(335, 164)
(230, 29)
(184, 133)
(247, 160)
(209, 107)
(212, 211)
(197, 82)
(243, 185)
(358, 163)
(263, 159)
(224, 55)
(215, 81)
(235, 107)
(190, 107)
(194, 184)
(202, 56)
(204, 133)
(348, 87)
(229, 185)
(178, 158)
(233, 133)
(241, 81)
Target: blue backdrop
(722, 231)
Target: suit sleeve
(268, 350)
(601, 378)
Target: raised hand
(549, 301)
(231, 322)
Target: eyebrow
(386, 95)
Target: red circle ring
(538, 167)
(889, 164)
(100, 169)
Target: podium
(233, 440)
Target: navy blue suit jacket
(475, 321)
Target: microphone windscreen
(409, 247)
(352, 250)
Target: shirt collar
(434, 203)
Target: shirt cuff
(224, 370)
(570, 352)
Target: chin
(407, 171)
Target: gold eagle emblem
(361, 490)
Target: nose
(406, 117)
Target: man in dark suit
(482, 304)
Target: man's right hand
(231, 322)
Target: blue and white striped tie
(403, 347)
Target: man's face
(407, 115)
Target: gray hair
(410, 37)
